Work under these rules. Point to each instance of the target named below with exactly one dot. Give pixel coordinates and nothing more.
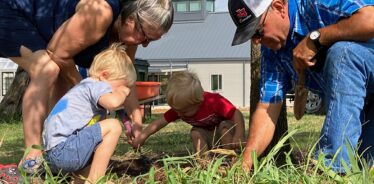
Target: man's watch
(314, 36)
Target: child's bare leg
(226, 132)
(199, 140)
(111, 130)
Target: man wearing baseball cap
(331, 45)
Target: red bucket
(146, 90)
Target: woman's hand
(36, 63)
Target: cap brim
(245, 33)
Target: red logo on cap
(241, 13)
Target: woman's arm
(88, 25)
(132, 109)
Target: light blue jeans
(76, 152)
(349, 80)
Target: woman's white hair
(157, 13)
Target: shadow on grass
(11, 151)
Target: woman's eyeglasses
(146, 38)
(259, 33)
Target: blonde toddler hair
(184, 89)
(116, 62)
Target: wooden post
(11, 105)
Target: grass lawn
(174, 138)
(188, 168)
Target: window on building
(181, 6)
(7, 79)
(192, 6)
(216, 82)
(195, 6)
(210, 6)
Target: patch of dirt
(135, 165)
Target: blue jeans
(76, 152)
(349, 79)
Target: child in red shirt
(213, 118)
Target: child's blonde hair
(116, 62)
(184, 89)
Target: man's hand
(303, 55)
(247, 160)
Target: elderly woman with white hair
(57, 35)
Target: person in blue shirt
(330, 45)
(66, 33)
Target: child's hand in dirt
(137, 142)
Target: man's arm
(358, 27)
(261, 130)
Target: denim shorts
(76, 152)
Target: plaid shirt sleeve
(275, 78)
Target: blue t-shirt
(33, 23)
(77, 109)
(277, 73)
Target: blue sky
(221, 5)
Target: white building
(7, 73)
(199, 41)
(203, 44)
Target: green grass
(308, 130)
(11, 142)
(174, 138)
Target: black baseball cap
(246, 15)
